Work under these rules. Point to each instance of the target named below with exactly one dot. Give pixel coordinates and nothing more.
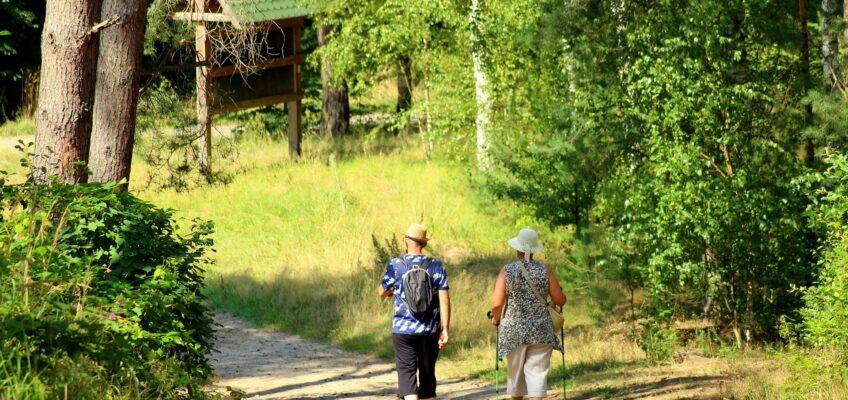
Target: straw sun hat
(416, 232)
(526, 242)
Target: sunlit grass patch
(18, 127)
(294, 240)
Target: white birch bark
(484, 102)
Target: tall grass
(295, 250)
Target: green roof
(254, 11)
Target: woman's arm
(557, 296)
(499, 298)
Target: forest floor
(256, 363)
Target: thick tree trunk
(116, 96)
(484, 103)
(66, 92)
(404, 85)
(335, 116)
(830, 43)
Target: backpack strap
(530, 283)
(424, 265)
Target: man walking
(421, 320)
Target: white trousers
(527, 370)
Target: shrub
(658, 343)
(101, 295)
(826, 310)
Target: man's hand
(443, 339)
(495, 322)
(385, 292)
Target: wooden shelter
(235, 84)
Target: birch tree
(481, 83)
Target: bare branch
(103, 25)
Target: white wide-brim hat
(526, 242)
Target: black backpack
(418, 291)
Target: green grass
(19, 127)
(294, 240)
(294, 251)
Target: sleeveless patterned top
(526, 319)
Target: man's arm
(383, 292)
(445, 313)
(387, 284)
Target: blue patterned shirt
(403, 321)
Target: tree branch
(103, 25)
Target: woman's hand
(443, 339)
(495, 322)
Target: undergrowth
(101, 296)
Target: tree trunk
(809, 147)
(830, 43)
(116, 96)
(845, 23)
(484, 103)
(335, 105)
(66, 92)
(404, 85)
(203, 103)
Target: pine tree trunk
(66, 92)
(335, 108)
(830, 43)
(404, 85)
(116, 96)
(484, 103)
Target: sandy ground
(268, 364)
(256, 363)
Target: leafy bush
(826, 311)
(658, 343)
(101, 296)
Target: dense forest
(698, 148)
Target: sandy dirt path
(268, 364)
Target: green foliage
(826, 310)
(268, 123)
(383, 253)
(658, 343)
(372, 36)
(677, 125)
(168, 140)
(101, 296)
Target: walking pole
(497, 350)
(562, 340)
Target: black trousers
(416, 355)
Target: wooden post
(295, 108)
(204, 90)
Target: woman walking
(527, 337)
